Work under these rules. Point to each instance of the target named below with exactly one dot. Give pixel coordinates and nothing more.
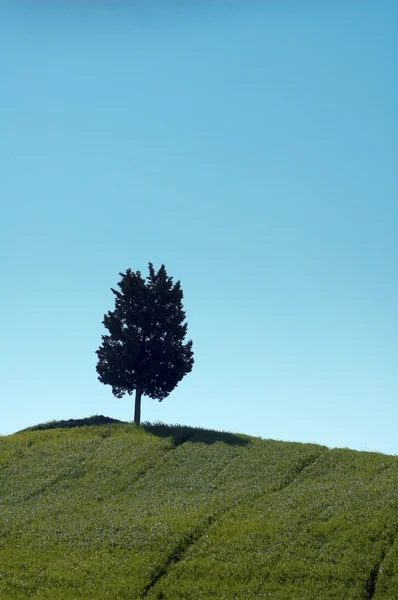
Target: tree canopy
(144, 350)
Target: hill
(114, 511)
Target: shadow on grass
(184, 433)
(179, 433)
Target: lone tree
(144, 350)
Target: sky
(252, 148)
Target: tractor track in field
(292, 478)
(371, 584)
(202, 527)
(179, 552)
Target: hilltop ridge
(109, 510)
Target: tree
(144, 350)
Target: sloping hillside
(114, 511)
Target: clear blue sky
(251, 147)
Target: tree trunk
(137, 407)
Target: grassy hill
(115, 511)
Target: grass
(102, 509)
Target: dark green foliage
(144, 350)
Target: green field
(116, 511)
